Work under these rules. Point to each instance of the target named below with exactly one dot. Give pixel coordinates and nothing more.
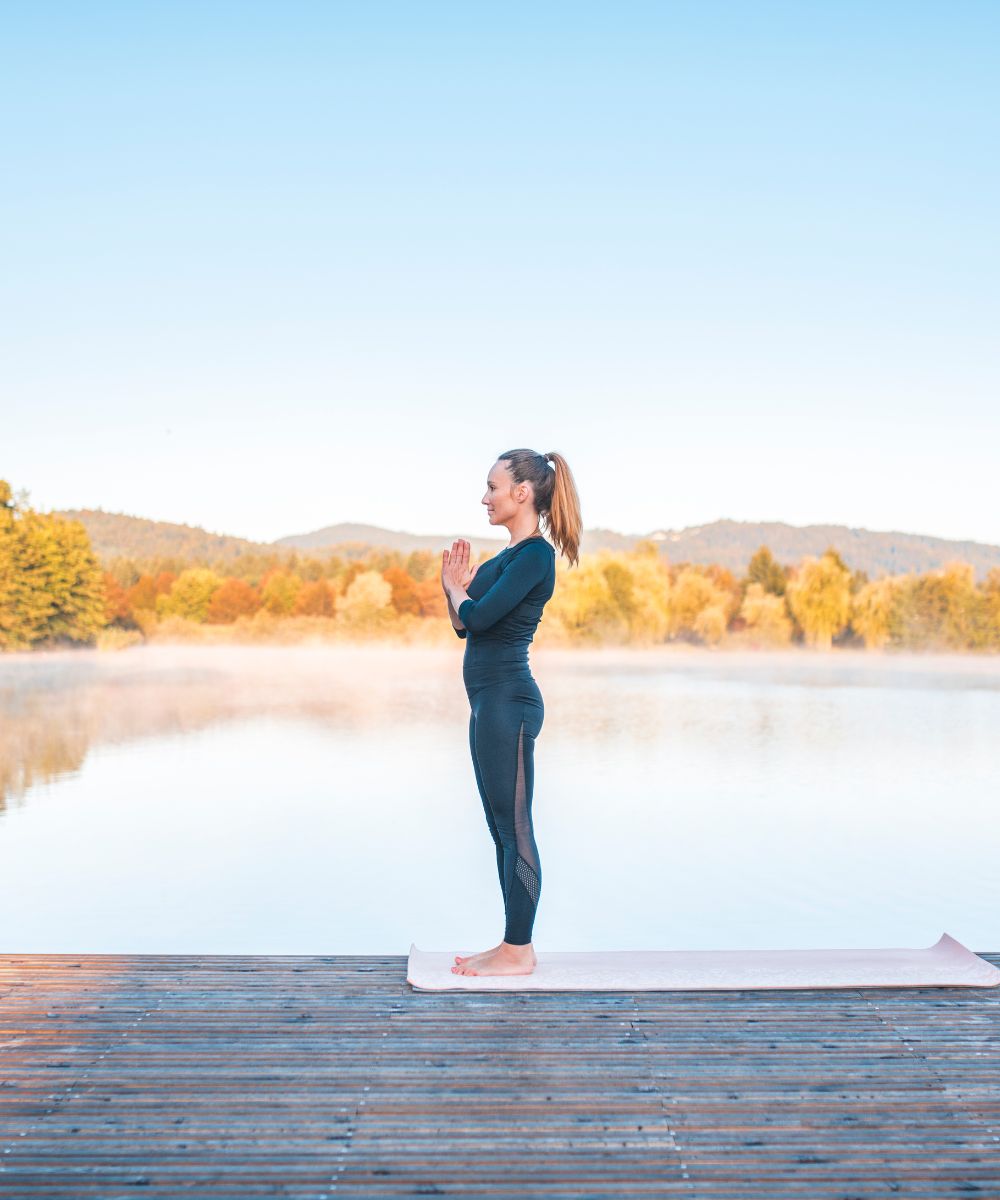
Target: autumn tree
(820, 598)
(991, 607)
(190, 595)
(697, 606)
(431, 598)
(944, 609)
(367, 603)
(621, 587)
(423, 565)
(311, 570)
(165, 580)
(833, 554)
(316, 599)
(405, 595)
(125, 571)
(279, 591)
(51, 583)
(233, 598)
(583, 603)
(117, 610)
(765, 616)
(763, 569)
(649, 616)
(77, 583)
(142, 594)
(876, 610)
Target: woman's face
(501, 505)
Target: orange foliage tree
(405, 592)
(117, 609)
(316, 599)
(231, 599)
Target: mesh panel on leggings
(526, 865)
(528, 877)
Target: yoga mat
(945, 964)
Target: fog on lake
(320, 799)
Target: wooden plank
(327, 1076)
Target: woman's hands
(455, 569)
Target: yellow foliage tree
(650, 617)
(875, 610)
(710, 624)
(765, 616)
(367, 603)
(692, 593)
(190, 595)
(77, 581)
(583, 603)
(820, 599)
(991, 607)
(943, 609)
(51, 583)
(279, 592)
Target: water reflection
(320, 799)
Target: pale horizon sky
(273, 266)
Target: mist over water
(320, 799)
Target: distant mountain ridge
(118, 535)
(724, 542)
(347, 534)
(876, 552)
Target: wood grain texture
(281, 1075)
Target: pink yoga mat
(945, 964)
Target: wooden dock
(239, 1076)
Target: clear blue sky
(269, 266)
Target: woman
(496, 607)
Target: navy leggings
(504, 722)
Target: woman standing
(496, 607)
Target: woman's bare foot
(506, 959)
(464, 958)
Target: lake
(320, 799)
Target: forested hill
(726, 543)
(348, 534)
(731, 544)
(115, 535)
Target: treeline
(54, 591)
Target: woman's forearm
(456, 595)
(456, 620)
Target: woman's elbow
(470, 618)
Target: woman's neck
(537, 533)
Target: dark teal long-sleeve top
(506, 599)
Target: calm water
(322, 800)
